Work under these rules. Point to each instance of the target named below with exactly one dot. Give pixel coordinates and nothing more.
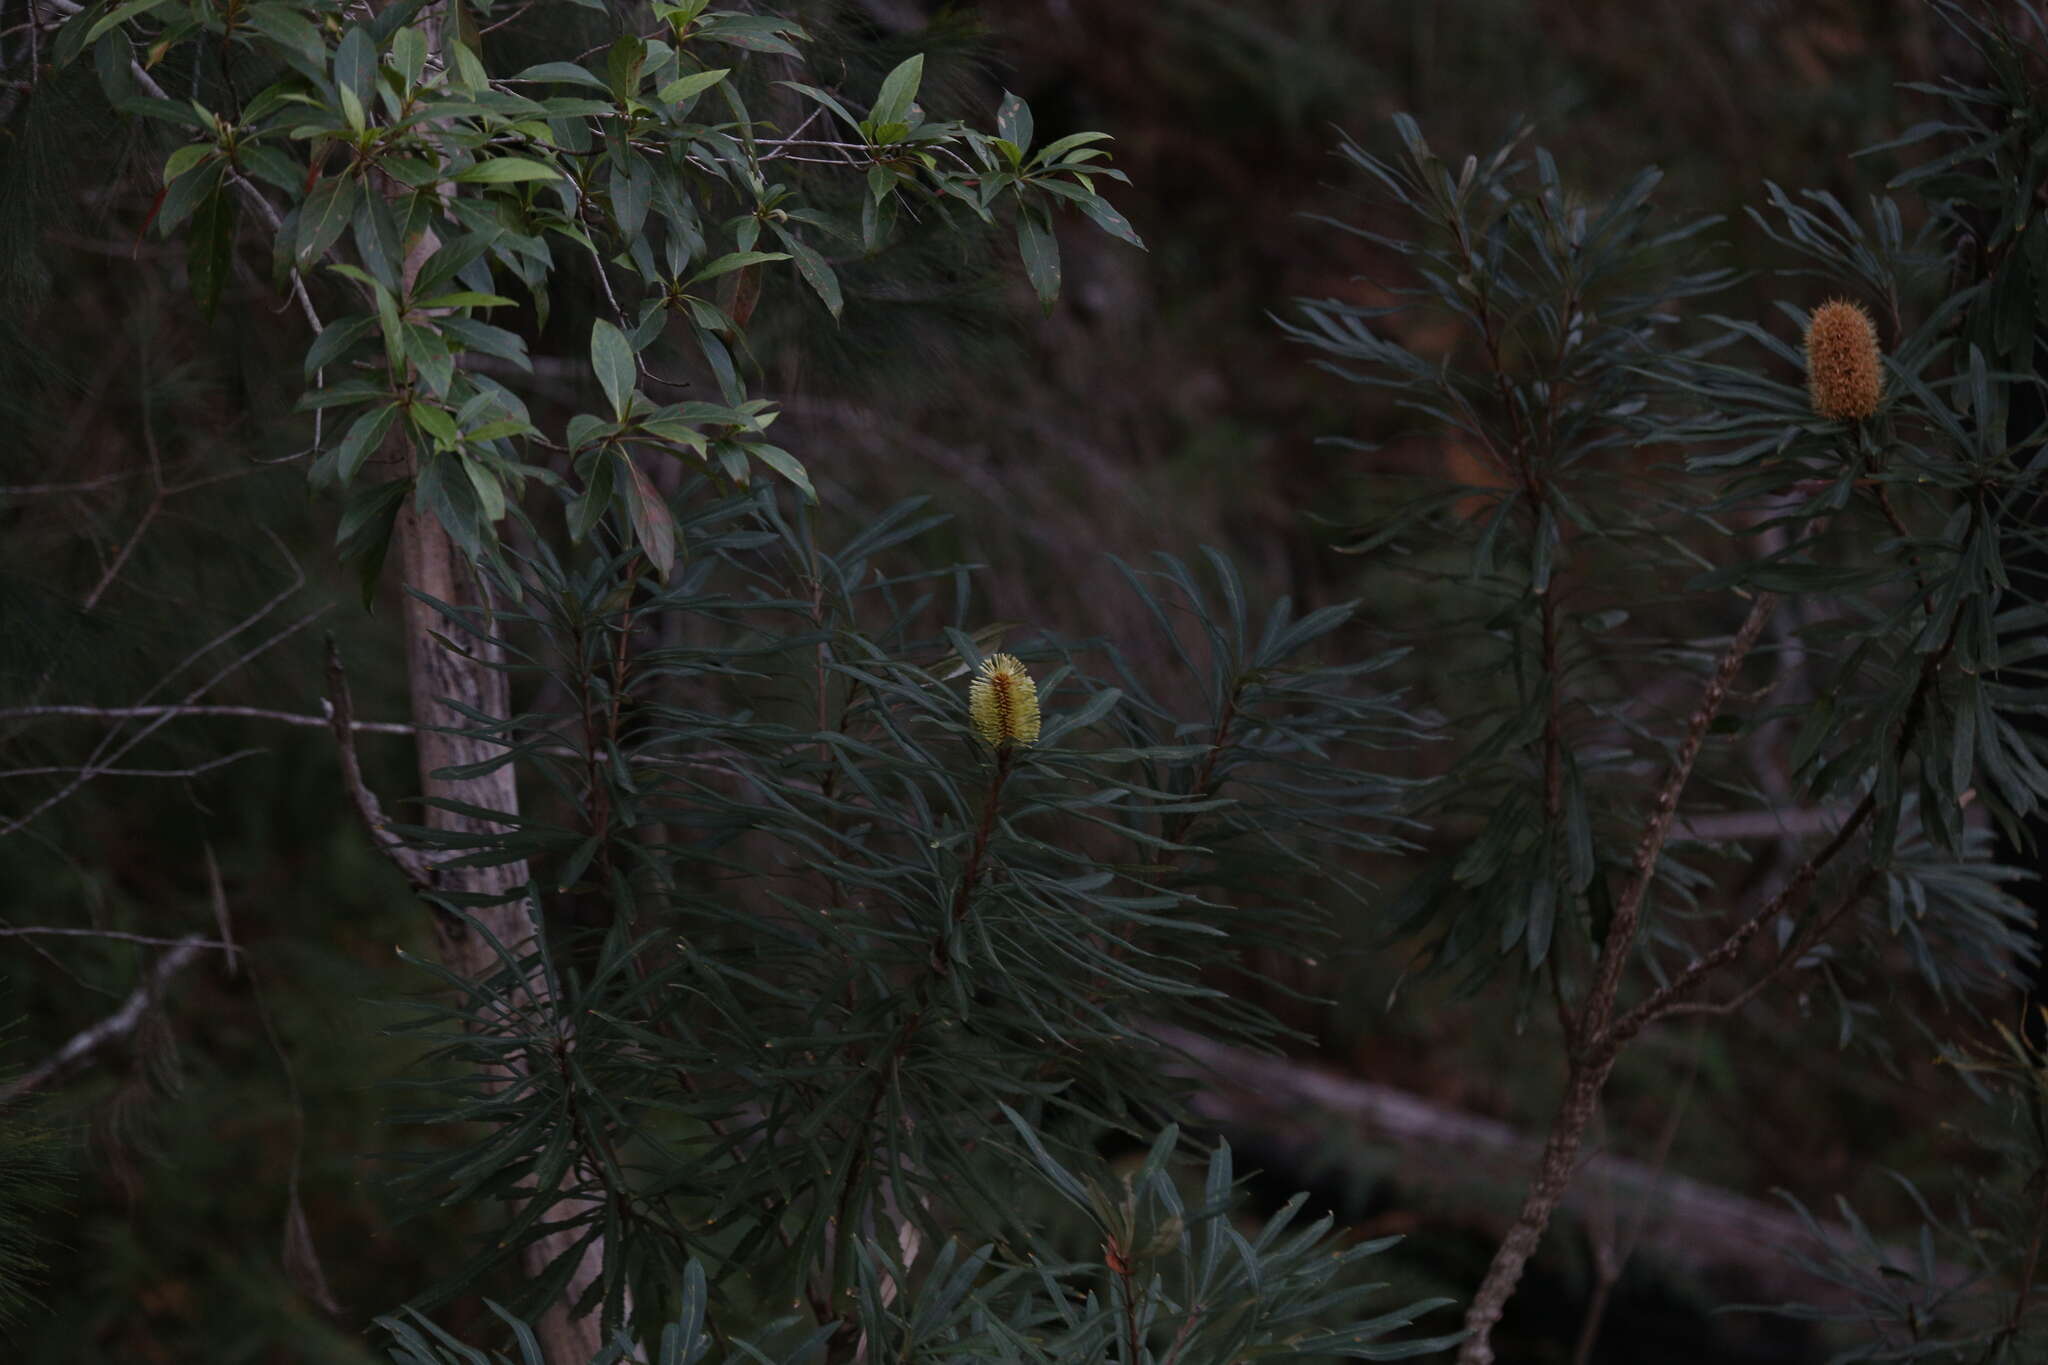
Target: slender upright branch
(1592, 1057)
(1593, 1016)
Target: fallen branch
(1699, 1227)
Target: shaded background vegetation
(1158, 407)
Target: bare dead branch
(341, 718)
(108, 752)
(122, 1022)
(120, 935)
(373, 727)
(194, 771)
(39, 490)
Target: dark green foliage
(752, 801)
(1966, 1289)
(1182, 1284)
(1963, 1291)
(1629, 477)
(1583, 527)
(842, 937)
(1561, 305)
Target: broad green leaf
(364, 435)
(1013, 122)
(185, 158)
(898, 92)
(435, 422)
(815, 271)
(355, 65)
(562, 72)
(466, 298)
(838, 109)
(492, 431)
(490, 495)
(113, 18)
(1109, 220)
(676, 433)
(273, 167)
(505, 170)
(409, 54)
(467, 72)
(182, 197)
(587, 510)
(489, 340)
(623, 65)
(653, 525)
(1053, 151)
(1041, 252)
(209, 251)
(785, 464)
(754, 33)
(324, 217)
(683, 87)
(423, 346)
(335, 339)
(291, 30)
(352, 109)
(612, 357)
(363, 534)
(735, 260)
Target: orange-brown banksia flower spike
(1002, 701)
(1843, 372)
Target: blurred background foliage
(1158, 407)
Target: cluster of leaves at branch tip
(1002, 701)
(1843, 372)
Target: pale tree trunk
(434, 566)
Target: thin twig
(103, 754)
(151, 940)
(374, 727)
(92, 771)
(35, 490)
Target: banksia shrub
(1002, 701)
(1843, 372)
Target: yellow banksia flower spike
(1843, 372)
(1002, 701)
